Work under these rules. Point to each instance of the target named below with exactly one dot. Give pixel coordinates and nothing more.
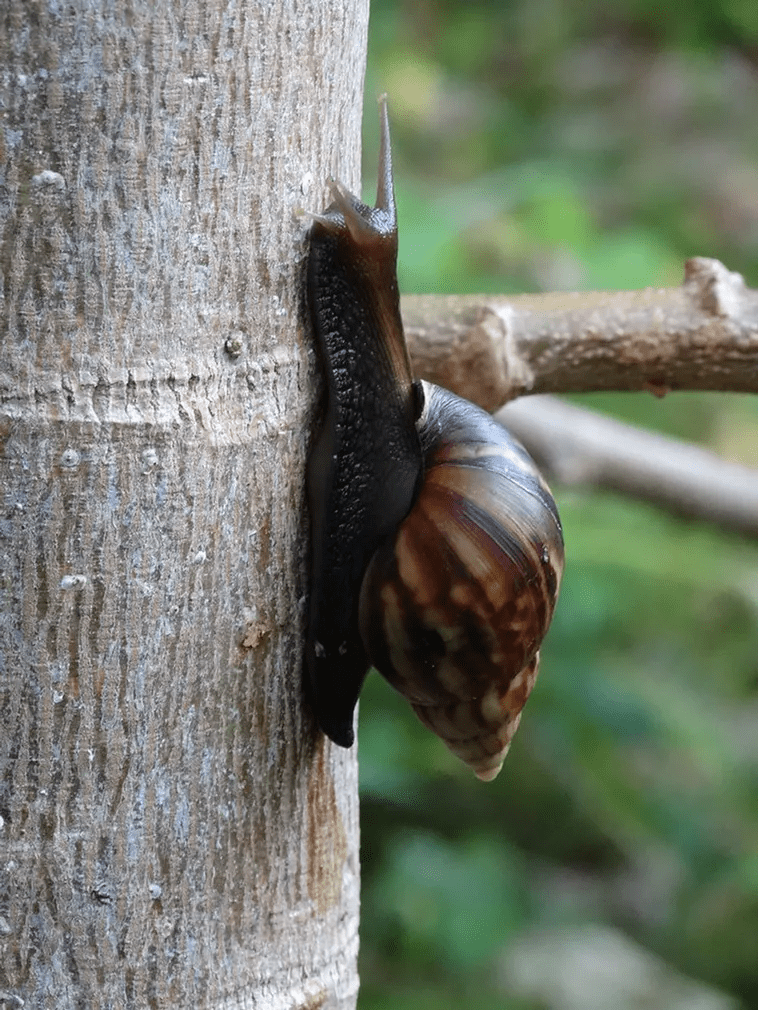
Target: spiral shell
(454, 607)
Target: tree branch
(579, 446)
(491, 349)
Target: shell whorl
(454, 607)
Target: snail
(436, 546)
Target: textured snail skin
(437, 550)
(366, 464)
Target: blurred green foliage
(542, 144)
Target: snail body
(437, 549)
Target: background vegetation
(566, 144)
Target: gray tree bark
(173, 830)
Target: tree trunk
(174, 831)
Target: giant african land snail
(437, 549)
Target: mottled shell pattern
(454, 607)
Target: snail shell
(437, 550)
(453, 607)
